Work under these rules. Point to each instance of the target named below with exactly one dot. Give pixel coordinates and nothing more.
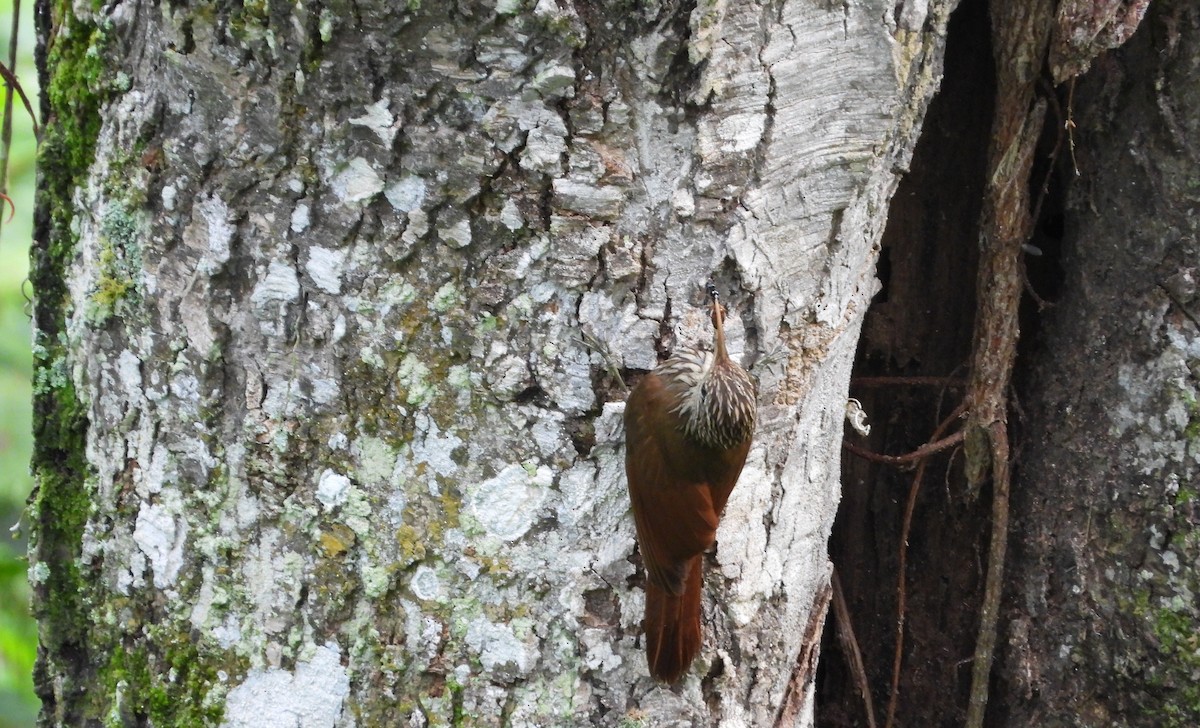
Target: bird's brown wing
(672, 504)
(725, 475)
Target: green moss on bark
(85, 674)
(1172, 673)
(167, 689)
(71, 71)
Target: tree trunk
(1103, 607)
(335, 307)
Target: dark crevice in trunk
(919, 326)
(919, 334)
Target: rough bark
(332, 304)
(1103, 609)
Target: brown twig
(989, 612)
(929, 448)
(6, 121)
(901, 589)
(849, 643)
(1020, 37)
(791, 708)
(1052, 158)
(1069, 124)
(902, 594)
(1180, 305)
(909, 381)
(11, 79)
(1064, 128)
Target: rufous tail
(673, 626)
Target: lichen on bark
(347, 293)
(61, 498)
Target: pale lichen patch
(219, 231)
(357, 512)
(413, 375)
(356, 182)
(211, 613)
(423, 634)
(511, 217)
(459, 376)
(301, 218)
(280, 285)
(406, 194)
(744, 553)
(310, 697)
(332, 489)
(395, 294)
(706, 28)
(434, 449)
(160, 533)
(379, 120)
(599, 655)
(618, 331)
(740, 133)
(602, 202)
(375, 579)
(554, 81)
(377, 461)
(325, 267)
(446, 297)
(369, 356)
(425, 584)
(457, 234)
(508, 504)
(498, 645)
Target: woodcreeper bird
(688, 425)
